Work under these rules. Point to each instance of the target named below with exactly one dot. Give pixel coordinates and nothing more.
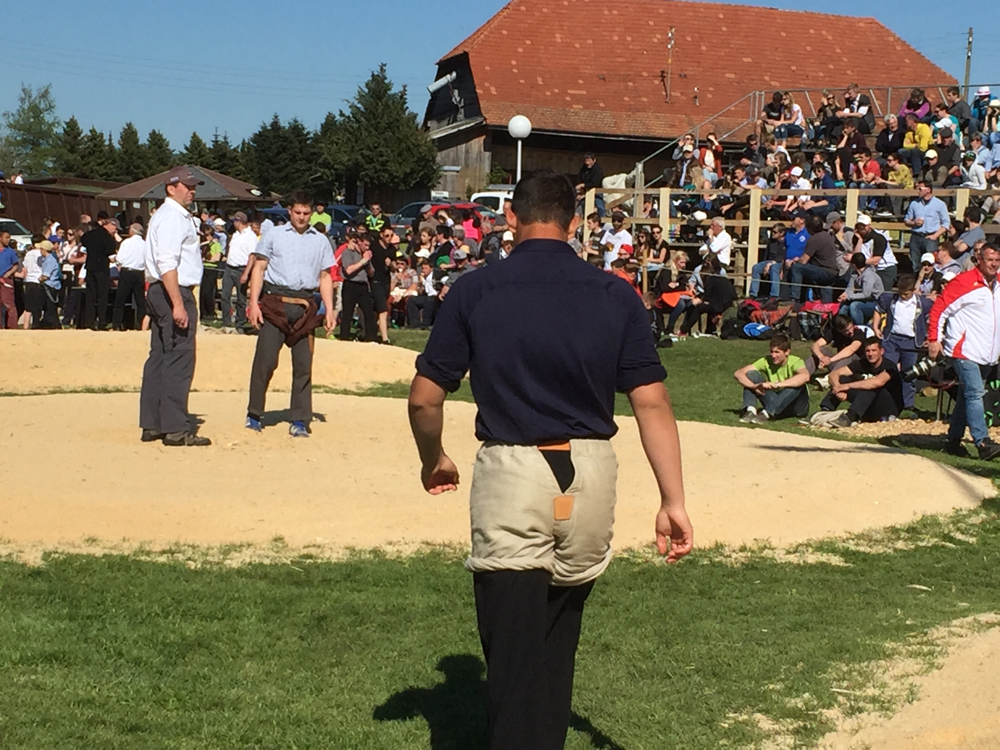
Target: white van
(494, 196)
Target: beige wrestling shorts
(522, 520)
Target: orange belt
(554, 446)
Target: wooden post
(961, 202)
(851, 209)
(665, 212)
(637, 214)
(753, 235)
(589, 201)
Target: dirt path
(38, 361)
(353, 483)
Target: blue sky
(231, 66)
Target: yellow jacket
(920, 138)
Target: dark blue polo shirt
(547, 339)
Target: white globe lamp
(519, 128)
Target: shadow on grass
(283, 416)
(455, 709)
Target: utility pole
(670, 60)
(968, 63)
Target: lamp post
(519, 128)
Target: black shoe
(185, 439)
(665, 343)
(955, 449)
(988, 450)
(151, 436)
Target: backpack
(731, 329)
(757, 331)
(770, 318)
(747, 309)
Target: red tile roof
(593, 66)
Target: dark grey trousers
(231, 280)
(265, 360)
(166, 378)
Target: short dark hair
(873, 341)
(858, 260)
(593, 216)
(953, 90)
(300, 198)
(841, 323)
(444, 230)
(320, 227)
(544, 197)
(906, 283)
(781, 341)
(972, 213)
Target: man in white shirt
(719, 243)
(34, 296)
(131, 262)
(615, 239)
(235, 272)
(173, 268)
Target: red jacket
(964, 319)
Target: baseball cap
(945, 133)
(422, 254)
(688, 147)
(930, 154)
(425, 208)
(460, 254)
(136, 227)
(240, 216)
(699, 216)
(499, 222)
(970, 155)
(983, 91)
(182, 176)
(507, 237)
(832, 218)
(45, 245)
(927, 258)
(796, 171)
(220, 223)
(114, 223)
(864, 220)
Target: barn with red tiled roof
(601, 75)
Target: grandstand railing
(745, 253)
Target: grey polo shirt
(295, 260)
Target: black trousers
(132, 284)
(231, 280)
(265, 360)
(357, 294)
(694, 312)
(166, 378)
(206, 294)
(529, 631)
(420, 311)
(73, 308)
(50, 305)
(96, 299)
(866, 406)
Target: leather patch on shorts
(562, 507)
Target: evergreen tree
(31, 136)
(330, 159)
(97, 156)
(195, 153)
(268, 150)
(223, 158)
(68, 159)
(380, 142)
(158, 152)
(133, 161)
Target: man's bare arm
(660, 441)
(426, 407)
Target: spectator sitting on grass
(863, 289)
(774, 260)
(777, 381)
(839, 345)
(905, 315)
(871, 386)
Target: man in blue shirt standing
(547, 341)
(51, 279)
(928, 217)
(8, 267)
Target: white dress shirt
(172, 245)
(720, 245)
(132, 253)
(240, 247)
(33, 266)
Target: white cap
(927, 258)
(699, 216)
(796, 171)
(422, 254)
(864, 219)
(930, 154)
(508, 236)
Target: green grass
(376, 653)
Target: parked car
(17, 232)
(493, 196)
(405, 216)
